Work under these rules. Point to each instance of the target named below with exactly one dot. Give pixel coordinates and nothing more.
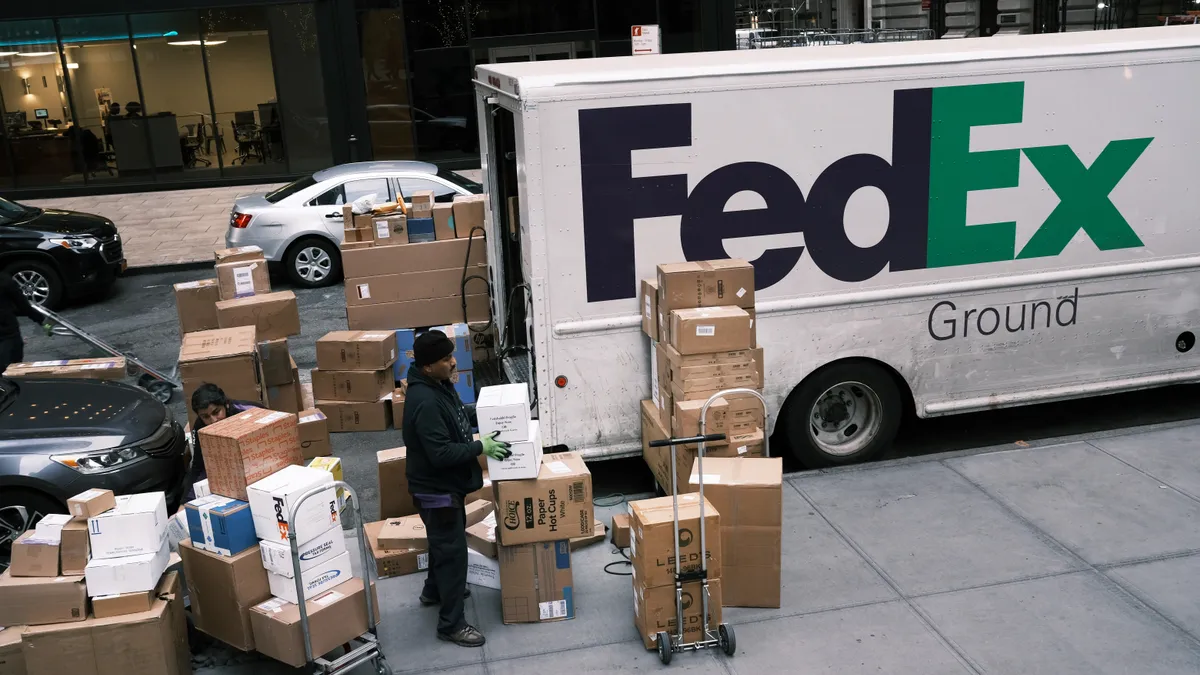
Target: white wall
(46, 97)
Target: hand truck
(368, 650)
(723, 637)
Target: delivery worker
(211, 405)
(13, 305)
(443, 468)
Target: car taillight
(240, 220)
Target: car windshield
(291, 189)
(12, 211)
(470, 185)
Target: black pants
(12, 350)
(446, 529)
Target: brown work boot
(466, 636)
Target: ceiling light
(72, 66)
(196, 43)
(35, 54)
(8, 53)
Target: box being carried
(248, 447)
(505, 409)
(525, 460)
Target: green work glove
(495, 449)
(49, 328)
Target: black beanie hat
(431, 347)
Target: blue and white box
(316, 580)
(221, 525)
(277, 556)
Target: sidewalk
(1076, 558)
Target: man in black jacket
(443, 468)
(13, 305)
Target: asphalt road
(140, 318)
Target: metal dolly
(368, 650)
(160, 385)
(723, 637)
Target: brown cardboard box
(287, 398)
(335, 617)
(703, 366)
(403, 534)
(536, 583)
(33, 558)
(277, 363)
(391, 230)
(154, 641)
(649, 305)
(753, 566)
(659, 459)
(654, 609)
(361, 221)
(196, 303)
(753, 327)
(356, 245)
(419, 257)
(556, 504)
(398, 395)
(356, 350)
(242, 279)
(599, 532)
(417, 313)
(237, 254)
(711, 283)
(32, 601)
(422, 203)
(481, 537)
(443, 221)
(275, 315)
(222, 590)
(468, 214)
(309, 401)
(710, 329)
(410, 286)
(105, 606)
(390, 563)
(248, 447)
(227, 358)
(746, 491)
(349, 236)
(364, 386)
(12, 660)
(312, 429)
(621, 530)
(345, 416)
(91, 502)
(395, 501)
(74, 547)
(111, 368)
(652, 547)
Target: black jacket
(442, 458)
(14, 304)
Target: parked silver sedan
(300, 224)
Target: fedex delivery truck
(943, 226)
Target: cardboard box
(483, 570)
(410, 286)
(51, 525)
(137, 526)
(237, 254)
(356, 245)
(111, 368)
(443, 221)
(752, 572)
(621, 532)
(710, 283)
(317, 579)
(599, 532)
(557, 504)
(334, 466)
(417, 313)
(277, 363)
(288, 398)
(481, 537)
(398, 395)
(526, 459)
(32, 601)
(227, 358)
(422, 203)
(649, 305)
(220, 525)
(356, 350)
(654, 609)
(154, 641)
(222, 590)
(275, 315)
(344, 416)
(312, 429)
(403, 534)
(504, 408)
(392, 563)
(33, 557)
(652, 547)
(705, 366)
(536, 583)
(74, 549)
(710, 329)
(248, 447)
(746, 491)
(196, 303)
(735, 416)
(364, 386)
(106, 606)
(395, 501)
(242, 279)
(418, 257)
(177, 530)
(349, 236)
(277, 556)
(272, 499)
(389, 230)
(309, 402)
(91, 502)
(659, 459)
(468, 214)
(12, 660)
(200, 488)
(131, 574)
(335, 617)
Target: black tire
(307, 268)
(27, 273)
(664, 648)
(847, 392)
(726, 639)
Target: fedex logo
(926, 185)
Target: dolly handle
(707, 438)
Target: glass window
(301, 134)
(680, 26)
(616, 17)
(39, 146)
(411, 184)
(505, 17)
(385, 71)
(290, 189)
(357, 189)
(330, 197)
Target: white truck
(939, 226)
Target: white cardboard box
(137, 526)
(201, 489)
(49, 528)
(525, 461)
(482, 570)
(131, 574)
(504, 408)
(277, 556)
(177, 530)
(316, 580)
(271, 500)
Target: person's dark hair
(208, 394)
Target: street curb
(167, 267)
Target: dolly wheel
(382, 668)
(664, 648)
(726, 639)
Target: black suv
(58, 255)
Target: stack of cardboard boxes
(387, 228)
(353, 382)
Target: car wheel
(314, 263)
(39, 281)
(843, 414)
(20, 510)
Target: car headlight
(81, 242)
(98, 462)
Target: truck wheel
(843, 414)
